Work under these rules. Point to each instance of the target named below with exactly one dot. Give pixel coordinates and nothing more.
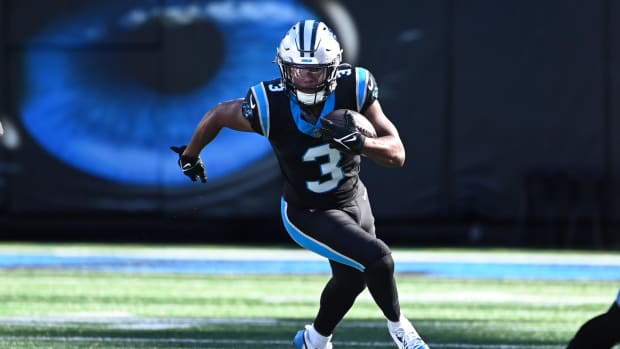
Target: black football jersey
(316, 175)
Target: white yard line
(129, 322)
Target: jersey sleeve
(255, 109)
(367, 89)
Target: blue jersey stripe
(303, 125)
(362, 80)
(313, 245)
(263, 107)
(330, 104)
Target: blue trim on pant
(313, 245)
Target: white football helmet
(308, 57)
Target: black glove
(346, 138)
(191, 167)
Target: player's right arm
(241, 114)
(224, 115)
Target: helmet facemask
(310, 84)
(308, 58)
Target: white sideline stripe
(259, 343)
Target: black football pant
(599, 332)
(346, 236)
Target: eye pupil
(172, 70)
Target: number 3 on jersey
(330, 168)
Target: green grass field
(62, 308)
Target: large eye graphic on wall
(115, 84)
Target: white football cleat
(406, 336)
(301, 340)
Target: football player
(324, 206)
(599, 332)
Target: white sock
(395, 324)
(402, 323)
(316, 339)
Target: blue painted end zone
(550, 271)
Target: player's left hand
(191, 167)
(346, 138)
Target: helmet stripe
(300, 34)
(315, 27)
(308, 35)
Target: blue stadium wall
(508, 111)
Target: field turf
(52, 307)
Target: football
(362, 124)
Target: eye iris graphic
(103, 111)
